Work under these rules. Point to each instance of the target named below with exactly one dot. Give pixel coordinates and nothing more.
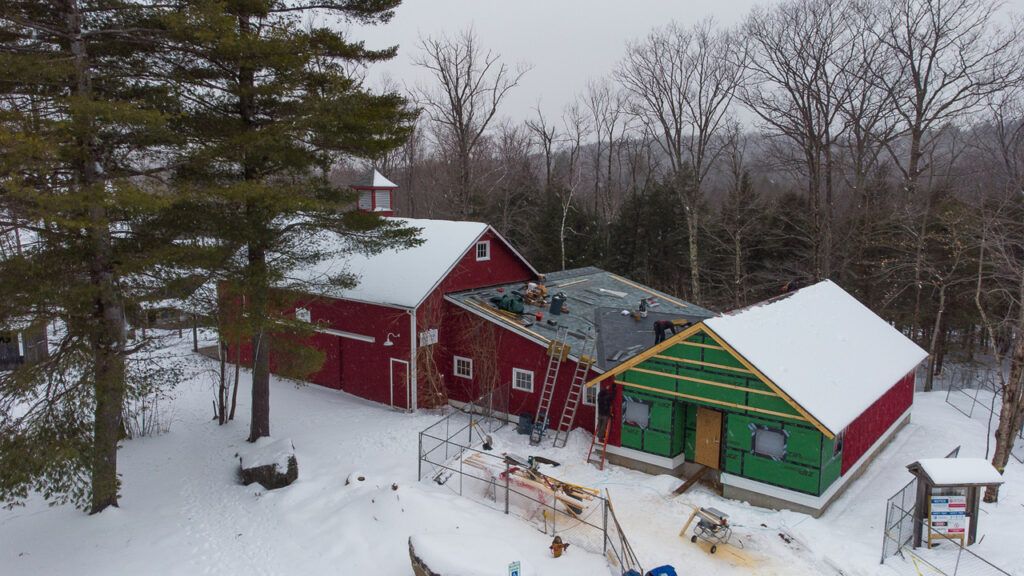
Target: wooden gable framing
(645, 364)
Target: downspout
(412, 360)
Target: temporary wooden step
(600, 441)
(557, 351)
(572, 401)
(692, 480)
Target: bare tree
(799, 55)
(470, 84)
(682, 81)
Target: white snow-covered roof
(960, 471)
(402, 277)
(375, 180)
(828, 352)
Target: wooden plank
(679, 303)
(702, 381)
(708, 446)
(690, 482)
(710, 401)
(796, 405)
(700, 363)
(515, 325)
(699, 345)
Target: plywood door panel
(709, 437)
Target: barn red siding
(357, 367)
(873, 422)
(462, 334)
(504, 267)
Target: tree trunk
(1011, 415)
(929, 380)
(260, 422)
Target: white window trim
(476, 250)
(455, 367)
(516, 372)
(596, 390)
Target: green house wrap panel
(632, 437)
(803, 446)
(830, 472)
(684, 351)
(659, 443)
(721, 357)
(773, 403)
(661, 415)
(733, 462)
(651, 380)
(783, 474)
(737, 432)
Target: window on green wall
(636, 412)
(837, 444)
(769, 442)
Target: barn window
(769, 442)
(636, 412)
(590, 395)
(483, 250)
(522, 380)
(382, 200)
(463, 367)
(365, 200)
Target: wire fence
(947, 557)
(975, 393)
(898, 530)
(454, 452)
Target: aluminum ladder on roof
(585, 359)
(557, 351)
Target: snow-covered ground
(183, 511)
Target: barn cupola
(376, 193)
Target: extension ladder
(584, 361)
(557, 351)
(602, 445)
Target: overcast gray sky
(566, 41)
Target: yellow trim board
(700, 381)
(699, 363)
(768, 382)
(505, 320)
(710, 401)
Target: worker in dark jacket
(604, 408)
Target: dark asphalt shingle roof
(595, 300)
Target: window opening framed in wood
(769, 442)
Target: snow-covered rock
(271, 463)
(463, 555)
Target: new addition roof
(595, 301)
(405, 277)
(828, 352)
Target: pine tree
(79, 134)
(270, 106)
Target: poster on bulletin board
(947, 517)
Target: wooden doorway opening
(400, 393)
(708, 445)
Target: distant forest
(878, 144)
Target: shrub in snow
(271, 463)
